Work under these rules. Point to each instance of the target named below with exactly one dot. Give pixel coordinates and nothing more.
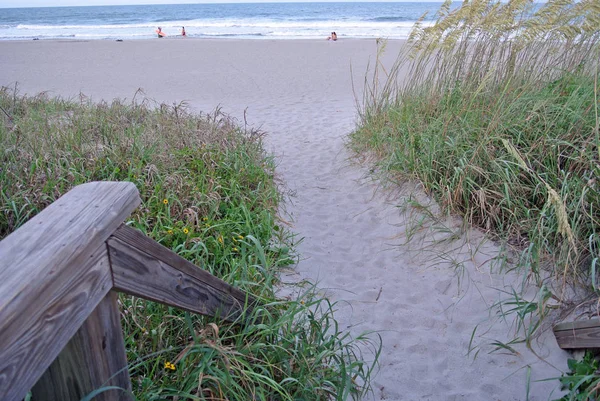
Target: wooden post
(94, 358)
(54, 271)
(60, 329)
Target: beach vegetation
(209, 192)
(582, 381)
(494, 110)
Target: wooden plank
(94, 358)
(580, 334)
(146, 269)
(578, 338)
(580, 324)
(54, 270)
(137, 239)
(29, 344)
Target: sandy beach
(356, 242)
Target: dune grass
(209, 193)
(498, 118)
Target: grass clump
(209, 193)
(498, 118)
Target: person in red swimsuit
(183, 31)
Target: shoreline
(288, 20)
(192, 38)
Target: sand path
(300, 93)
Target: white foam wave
(231, 23)
(115, 26)
(248, 28)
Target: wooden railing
(60, 332)
(578, 335)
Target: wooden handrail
(578, 335)
(56, 276)
(146, 269)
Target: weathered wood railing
(60, 333)
(578, 335)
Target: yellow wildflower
(235, 249)
(205, 218)
(185, 231)
(170, 232)
(220, 239)
(166, 201)
(169, 365)
(240, 236)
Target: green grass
(498, 119)
(470, 159)
(209, 193)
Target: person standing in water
(159, 32)
(183, 31)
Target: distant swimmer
(160, 33)
(183, 31)
(333, 36)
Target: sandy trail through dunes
(300, 93)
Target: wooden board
(94, 358)
(580, 334)
(54, 271)
(144, 268)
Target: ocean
(243, 20)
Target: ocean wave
(390, 19)
(111, 36)
(63, 27)
(275, 20)
(228, 35)
(397, 34)
(28, 37)
(225, 28)
(229, 24)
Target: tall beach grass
(209, 193)
(498, 118)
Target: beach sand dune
(356, 242)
